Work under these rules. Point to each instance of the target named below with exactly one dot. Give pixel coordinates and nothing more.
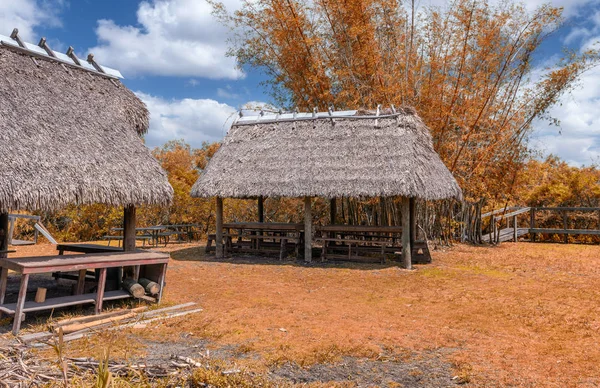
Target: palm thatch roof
(71, 135)
(330, 155)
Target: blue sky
(172, 54)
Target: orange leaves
(465, 68)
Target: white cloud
(26, 15)
(577, 141)
(193, 120)
(175, 38)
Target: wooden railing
(496, 235)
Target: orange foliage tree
(467, 68)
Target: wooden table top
(43, 264)
(264, 226)
(360, 228)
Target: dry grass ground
(521, 314)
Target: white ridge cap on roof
(60, 57)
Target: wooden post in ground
(413, 221)
(307, 230)
(565, 225)
(129, 228)
(129, 221)
(219, 232)
(261, 209)
(406, 247)
(515, 228)
(4, 237)
(532, 223)
(20, 304)
(332, 211)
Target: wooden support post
(129, 232)
(4, 237)
(515, 228)
(11, 231)
(20, 304)
(307, 230)
(3, 283)
(413, 222)
(219, 232)
(406, 247)
(161, 282)
(332, 211)
(532, 223)
(479, 225)
(129, 228)
(100, 291)
(382, 212)
(261, 209)
(81, 282)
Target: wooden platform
(63, 301)
(506, 234)
(154, 263)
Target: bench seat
(63, 301)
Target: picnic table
(366, 243)
(149, 233)
(261, 236)
(358, 241)
(190, 231)
(154, 267)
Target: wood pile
(79, 327)
(20, 368)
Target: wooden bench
(350, 243)
(86, 248)
(154, 263)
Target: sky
(172, 54)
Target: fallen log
(134, 288)
(151, 287)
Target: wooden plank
(3, 283)
(566, 231)
(87, 248)
(25, 216)
(353, 241)
(63, 301)
(280, 226)
(42, 264)
(360, 228)
(20, 304)
(100, 291)
(570, 209)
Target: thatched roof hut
(70, 133)
(386, 155)
(332, 154)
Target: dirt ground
(516, 315)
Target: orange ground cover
(522, 314)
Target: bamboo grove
(468, 68)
